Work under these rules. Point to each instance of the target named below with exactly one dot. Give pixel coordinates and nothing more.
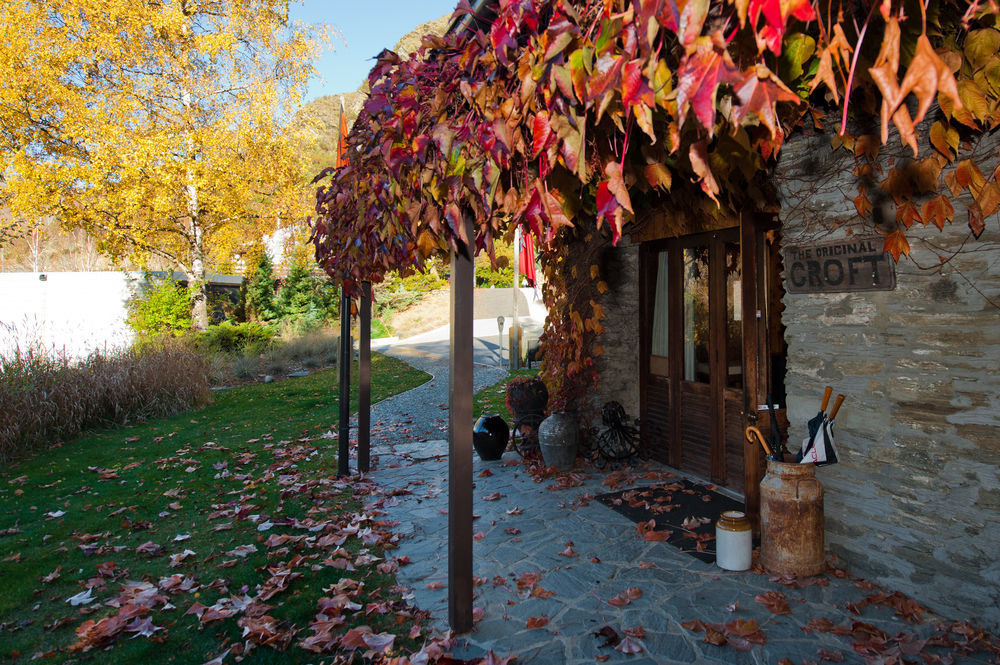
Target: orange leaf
(536, 622)
(774, 601)
(976, 222)
(645, 530)
(926, 76)
(938, 210)
(862, 204)
(896, 243)
(944, 138)
(989, 198)
(907, 213)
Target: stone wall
(618, 366)
(915, 502)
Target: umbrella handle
(826, 398)
(836, 406)
(754, 433)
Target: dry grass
(432, 311)
(288, 353)
(45, 398)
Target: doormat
(683, 510)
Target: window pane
(660, 309)
(734, 317)
(696, 365)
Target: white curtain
(660, 308)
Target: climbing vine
(568, 115)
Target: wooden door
(693, 388)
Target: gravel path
(420, 414)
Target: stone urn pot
(557, 438)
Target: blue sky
(367, 26)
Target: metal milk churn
(791, 520)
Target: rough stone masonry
(915, 501)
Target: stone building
(787, 300)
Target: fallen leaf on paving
(713, 636)
(569, 551)
(774, 601)
(830, 655)
(478, 535)
(536, 622)
(435, 586)
(542, 593)
(493, 497)
(646, 531)
(629, 646)
(515, 511)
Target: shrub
(259, 294)
(306, 301)
(158, 306)
(45, 399)
(228, 337)
(487, 277)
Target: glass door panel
(734, 316)
(696, 319)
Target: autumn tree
(158, 127)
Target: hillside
(323, 113)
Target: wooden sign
(850, 264)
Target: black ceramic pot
(490, 436)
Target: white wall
(74, 313)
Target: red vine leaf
(699, 162)
(759, 94)
(541, 133)
(700, 76)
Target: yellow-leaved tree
(161, 128)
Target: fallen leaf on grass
(536, 622)
(82, 598)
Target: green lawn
(246, 485)
(491, 399)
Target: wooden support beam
(460, 437)
(344, 424)
(365, 379)
(754, 385)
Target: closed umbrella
(816, 422)
(819, 448)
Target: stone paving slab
(611, 557)
(409, 453)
